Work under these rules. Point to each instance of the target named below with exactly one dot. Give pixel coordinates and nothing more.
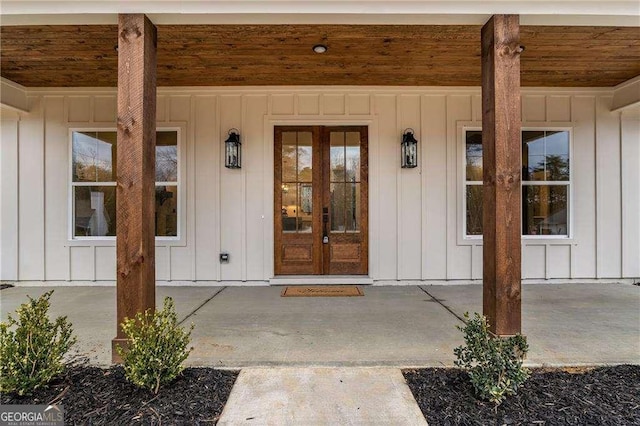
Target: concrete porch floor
(395, 326)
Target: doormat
(322, 291)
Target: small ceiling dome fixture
(319, 48)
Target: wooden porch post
(135, 192)
(502, 162)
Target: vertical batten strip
(44, 188)
(243, 230)
(397, 126)
(218, 158)
(188, 186)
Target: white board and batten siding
(415, 214)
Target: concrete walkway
(321, 396)
(401, 326)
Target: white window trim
(463, 238)
(110, 241)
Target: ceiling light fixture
(319, 48)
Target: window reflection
(544, 210)
(474, 209)
(545, 155)
(94, 160)
(345, 181)
(545, 182)
(297, 175)
(166, 211)
(94, 211)
(166, 157)
(473, 149)
(94, 156)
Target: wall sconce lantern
(233, 150)
(409, 150)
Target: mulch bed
(601, 396)
(96, 396)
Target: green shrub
(31, 354)
(494, 363)
(156, 348)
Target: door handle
(325, 220)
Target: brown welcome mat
(322, 291)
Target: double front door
(321, 200)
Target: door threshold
(321, 280)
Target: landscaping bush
(31, 354)
(156, 348)
(493, 363)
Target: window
(545, 182)
(93, 183)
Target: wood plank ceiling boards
(248, 55)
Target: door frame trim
(269, 124)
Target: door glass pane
(304, 156)
(473, 148)
(474, 209)
(352, 203)
(167, 211)
(337, 156)
(337, 213)
(544, 210)
(305, 208)
(94, 210)
(167, 156)
(353, 156)
(289, 160)
(289, 207)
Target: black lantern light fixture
(233, 150)
(409, 150)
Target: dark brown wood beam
(135, 192)
(502, 162)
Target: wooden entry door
(321, 200)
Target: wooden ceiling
(247, 55)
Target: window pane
(167, 156)
(557, 167)
(474, 209)
(94, 155)
(352, 204)
(545, 155)
(544, 210)
(304, 156)
(289, 206)
(557, 155)
(289, 160)
(473, 150)
(166, 211)
(337, 155)
(305, 209)
(338, 198)
(557, 142)
(94, 211)
(353, 156)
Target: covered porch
(408, 326)
(141, 53)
